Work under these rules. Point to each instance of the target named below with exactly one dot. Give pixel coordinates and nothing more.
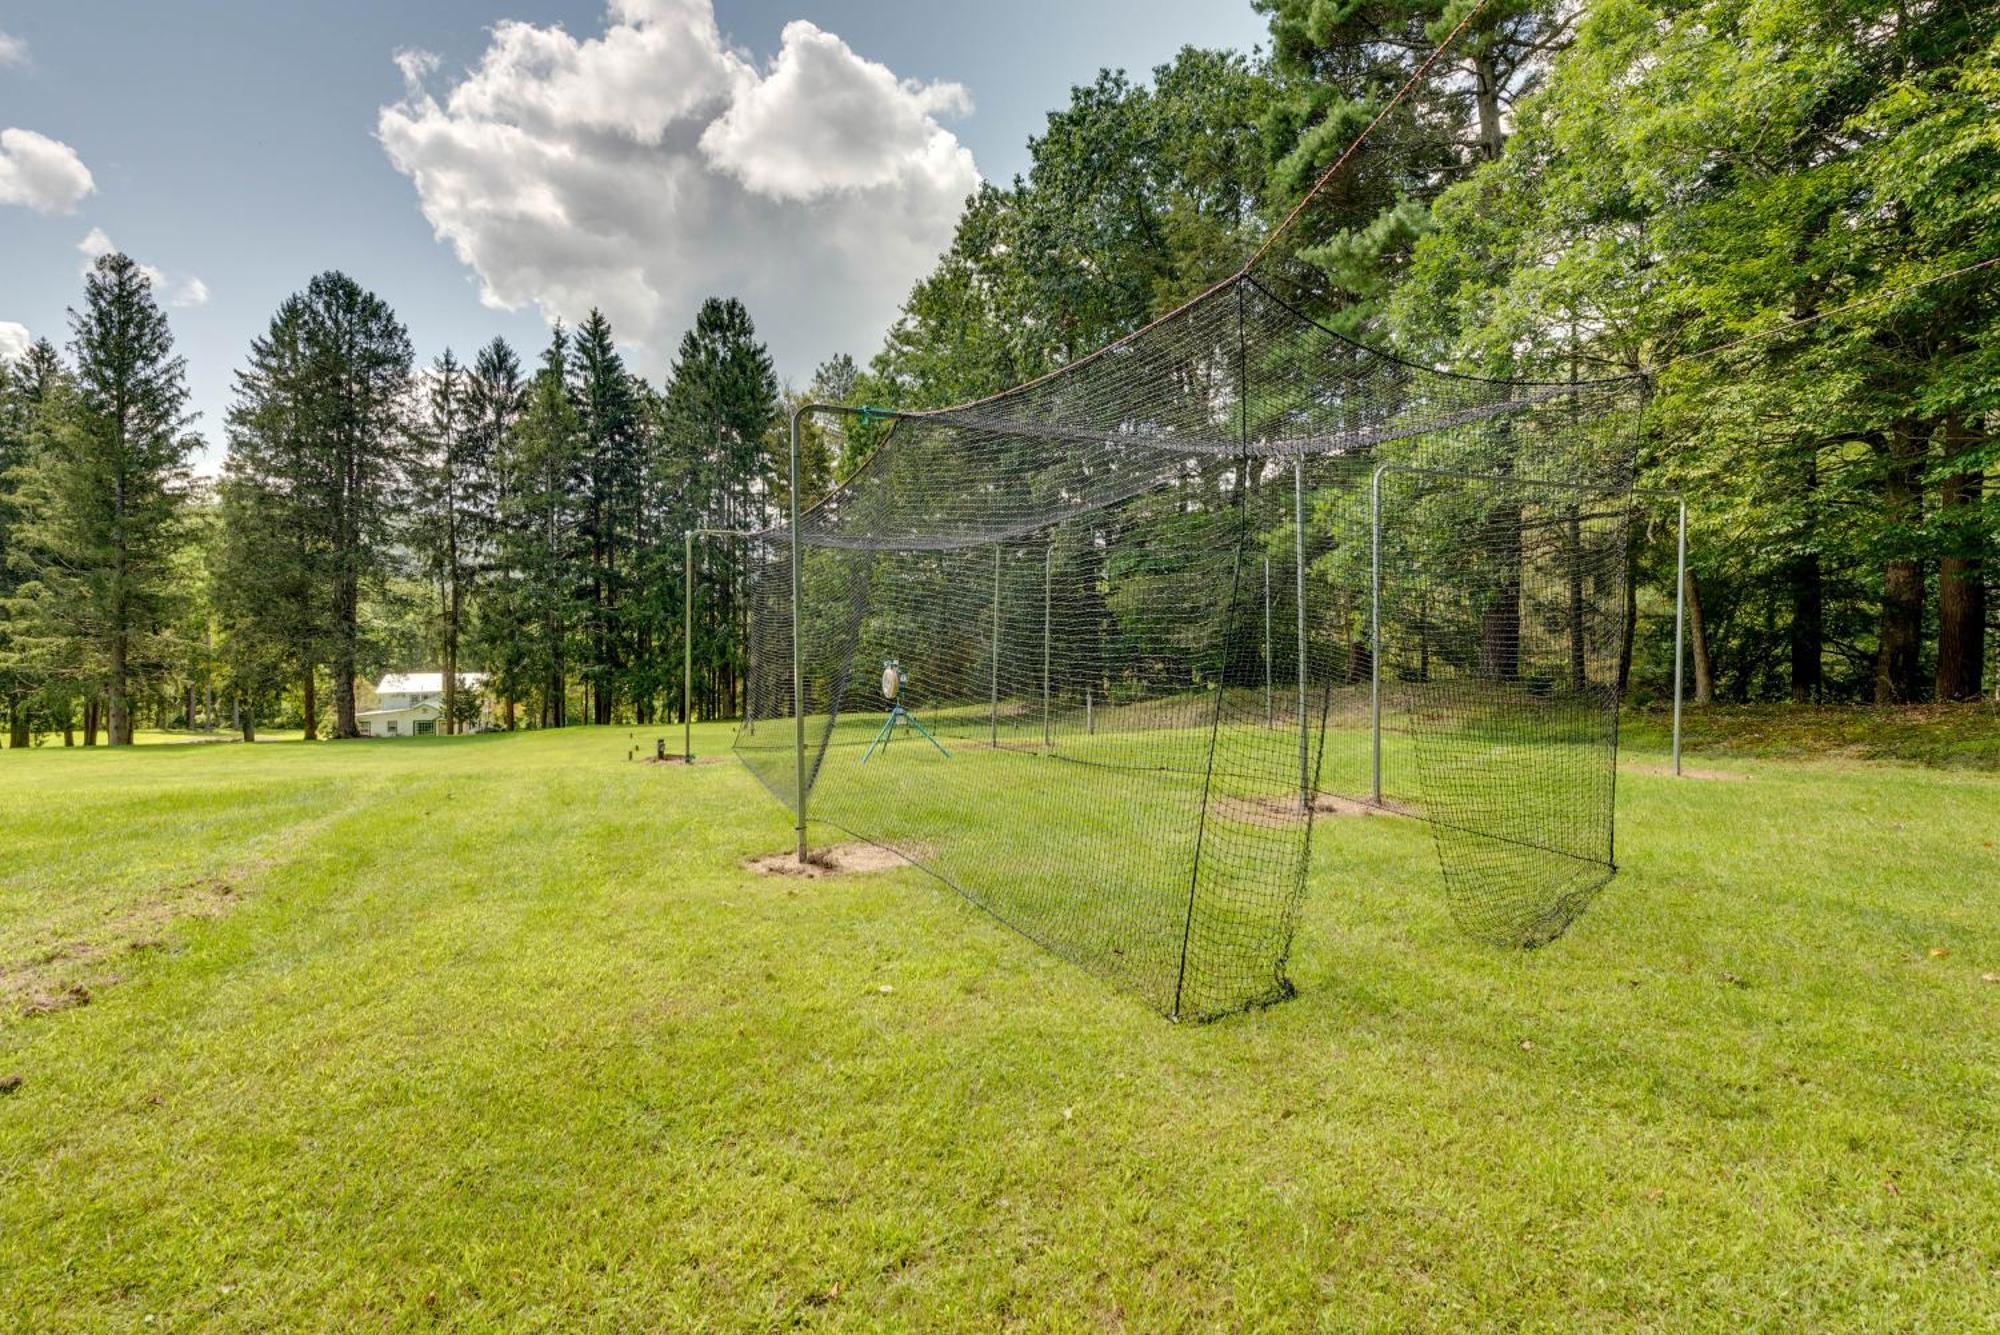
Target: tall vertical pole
(1680, 621)
(798, 646)
(1299, 538)
(687, 649)
(1270, 708)
(1375, 635)
(1048, 583)
(995, 720)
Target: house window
(425, 727)
(365, 728)
(392, 727)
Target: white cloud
(184, 292)
(13, 50)
(825, 120)
(96, 245)
(650, 166)
(41, 173)
(15, 340)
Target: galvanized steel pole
(798, 647)
(687, 649)
(1048, 583)
(1680, 620)
(994, 724)
(1270, 709)
(1299, 536)
(1375, 634)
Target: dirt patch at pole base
(839, 860)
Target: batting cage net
(1154, 612)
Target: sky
(487, 166)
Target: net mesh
(1138, 605)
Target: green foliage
(320, 439)
(1701, 176)
(1138, 199)
(97, 499)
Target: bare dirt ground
(1279, 812)
(62, 973)
(838, 860)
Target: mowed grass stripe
(501, 1032)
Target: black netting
(1142, 675)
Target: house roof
(427, 708)
(420, 683)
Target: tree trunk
(1704, 666)
(1486, 95)
(17, 725)
(1579, 667)
(1808, 629)
(1898, 663)
(118, 723)
(451, 673)
(1961, 593)
(90, 721)
(343, 681)
(311, 705)
(1630, 633)
(1500, 623)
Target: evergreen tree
(720, 406)
(273, 571)
(24, 386)
(495, 396)
(609, 457)
(451, 497)
(539, 522)
(99, 499)
(319, 443)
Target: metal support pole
(1375, 634)
(798, 646)
(687, 649)
(994, 726)
(1048, 584)
(1299, 537)
(1270, 707)
(1680, 621)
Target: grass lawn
(498, 1031)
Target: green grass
(1956, 736)
(496, 1031)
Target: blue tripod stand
(892, 687)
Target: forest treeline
(522, 521)
(1753, 202)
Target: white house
(409, 704)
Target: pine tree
(24, 385)
(100, 497)
(274, 566)
(319, 442)
(495, 396)
(451, 503)
(609, 453)
(720, 406)
(538, 543)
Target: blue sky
(640, 157)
